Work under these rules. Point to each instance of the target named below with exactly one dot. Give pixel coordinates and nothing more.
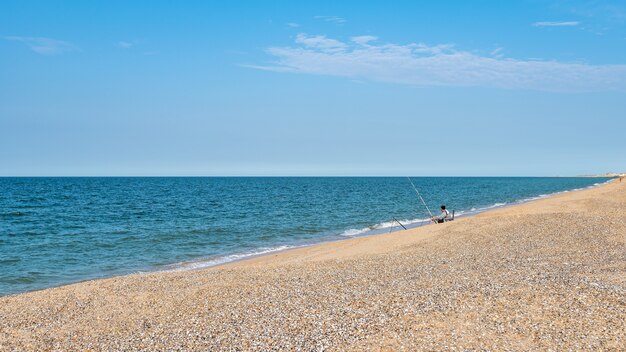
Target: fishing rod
(399, 223)
(420, 197)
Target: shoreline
(416, 223)
(180, 267)
(262, 257)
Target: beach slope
(549, 274)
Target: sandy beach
(544, 275)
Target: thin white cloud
(556, 24)
(497, 52)
(597, 10)
(293, 25)
(332, 19)
(437, 65)
(44, 46)
(124, 45)
(364, 39)
(320, 42)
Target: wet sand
(549, 274)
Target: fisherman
(442, 217)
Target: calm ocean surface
(56, 231)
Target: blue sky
(322, 88)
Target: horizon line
(605, 175)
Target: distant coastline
(608, 174)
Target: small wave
(495, 205)
(201, 264)
(13, 213)
(19, 280)
(394, 223)
(382, 226)
(354, 232)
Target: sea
(57, 230)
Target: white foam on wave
(381, 226)
(414, 221)
(206, 263)
(354, 232)
(394, 223)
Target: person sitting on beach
(444, 215)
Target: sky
(351, 88)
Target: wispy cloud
(601, 10)
(437, 65)
(332, 19)
(44, 46)
(364, 39)
(293, 25)
(497, 52)
(556, 24)
(124, 45)
(320, 42)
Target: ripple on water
(78, 228)
(13, 214)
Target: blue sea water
(55, 231)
